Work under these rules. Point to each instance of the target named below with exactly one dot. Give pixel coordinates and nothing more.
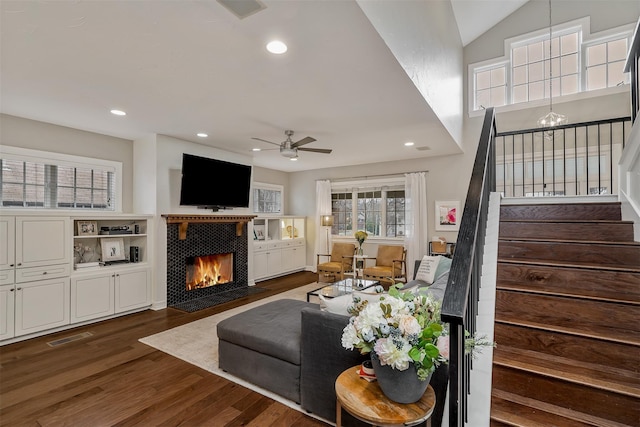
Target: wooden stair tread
(573, 264)
(518, 411)
(568, 221)
(574, 241)
(517, 286)
(588, 333)
(598, 376)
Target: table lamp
(327, 221)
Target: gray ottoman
(262, 346)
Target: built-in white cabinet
(7, 242)
(41, 241)
(279, 246)
(101, 294)
(41, 305)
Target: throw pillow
(427, 270)
(444, 265)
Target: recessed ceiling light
(118, 112)
(276, 47)
(256, 149)
(202, 135)
(409, 144)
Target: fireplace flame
(209, 270)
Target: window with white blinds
(36, 179)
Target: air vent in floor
(69, 339)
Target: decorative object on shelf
(327, 221)
(87, 228)
(404, 332)
(447, 215)
(551, 119)
(82, 251)
(292, 232)
(360, 236)
(112, 249)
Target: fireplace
(209, 270)
(221, 237)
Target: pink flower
(443, 346)
(451, 216)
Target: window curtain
(323, 207)
(417, 233)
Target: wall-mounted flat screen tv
(214, 184)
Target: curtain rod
(398, 175)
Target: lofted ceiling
(182, 67)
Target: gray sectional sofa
(294, 349)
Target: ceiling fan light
(289, 152)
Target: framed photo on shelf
(447, 215)
(112, 249)
(87, 228)
(258, 232)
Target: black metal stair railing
(570, 160)
(460, 303)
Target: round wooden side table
(365, 401)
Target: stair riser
(581, 349)
(611, 232)
(585, 211)
(598, 254)
(606, 320)
(613, 285)
(595, 402)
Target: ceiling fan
(289, 149)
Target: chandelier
(551, 119)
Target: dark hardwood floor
(111, 379)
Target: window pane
(569, 43)
(12, 171)
(569, 64)
(12, 194)
(34, 173)
(483, 98)
(596, 77)
(617, 50)
(520, 55)
(483, 80)
(616, 73)
(570, 84)
(596, 55)
(34, 195)
(65, 176)
(65, 197)
(83, 178)
(535, 52)
(520, 94)
(520, 75)
(497, 77)
(555, 68)
(536, 72)
(498, 97)
(536, 91)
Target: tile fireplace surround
(197, 235)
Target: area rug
(197, 343)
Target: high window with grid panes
(38, 182)
(576, 66)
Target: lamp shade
(326, 220)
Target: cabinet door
(133, 290)
(7, 242)
(7, 302)
(41, 305)
(42, 241)
(92, 297)
(274, 261)
(260, 264)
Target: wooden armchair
(339, 262)
(390, 265)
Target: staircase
(567, 320)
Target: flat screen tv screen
(211, 183)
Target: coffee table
(342, 287)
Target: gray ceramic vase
(399, 386)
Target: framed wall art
(447, 215)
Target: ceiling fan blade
(303, 141)
(264, 140)
(316, 150)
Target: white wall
(25, 133)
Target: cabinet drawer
(259, 246)
(7, 277)
(40, 273)
(274, 245)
